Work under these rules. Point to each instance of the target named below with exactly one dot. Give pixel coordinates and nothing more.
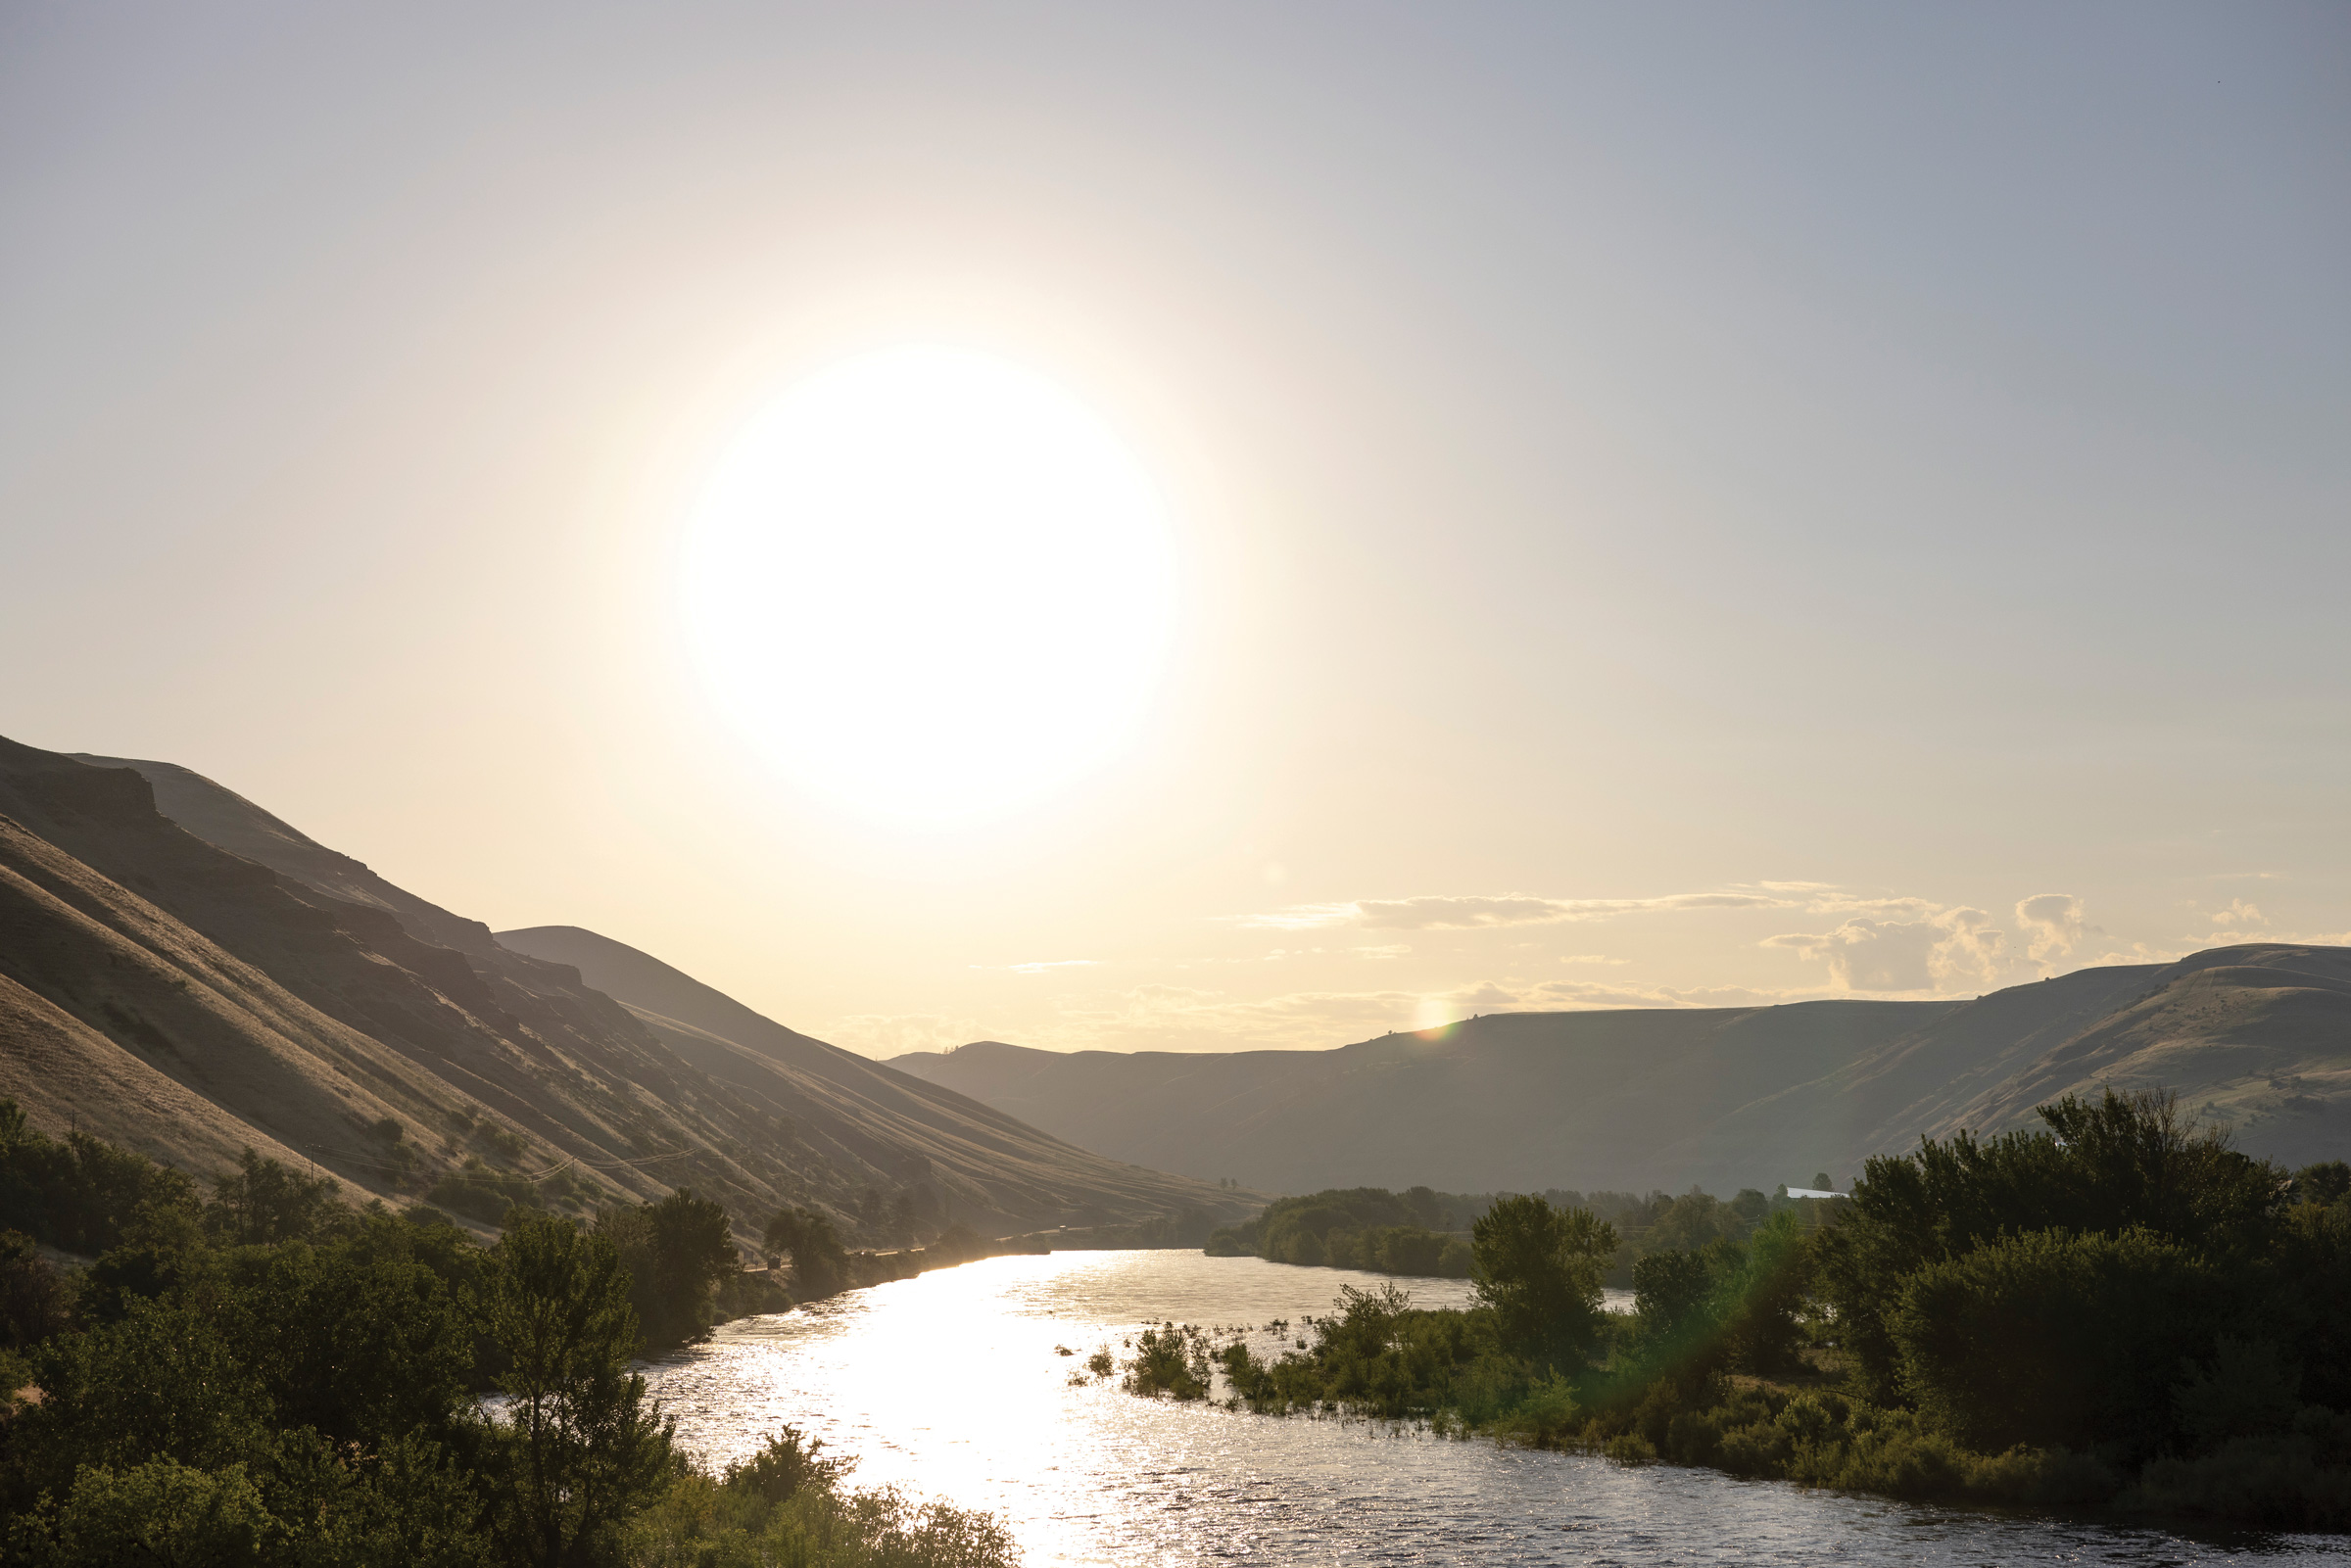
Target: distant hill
(201, 977)
(2257, 1038)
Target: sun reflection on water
(951, 1386)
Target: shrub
(1170, 1360)
(2051, 1340)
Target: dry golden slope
(2256, 1038)
(164, 991)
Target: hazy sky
(1667, 503)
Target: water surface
(949, 1385)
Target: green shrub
(161, 1511)
(2051, 1340)
(481, 1193)
(786, 1508)
(1170, 1360)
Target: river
(950, 1386)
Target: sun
(930, 584)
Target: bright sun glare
(930, 583)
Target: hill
(2257, 1038)
(189, 980)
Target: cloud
(1438, 913)
(1574, 995)
(1445, 912)
(1951, 950)
(1878, 908)
(2240, 913)
(1039, 966)
(2139, 953)
(2052, 924)
(2241, 938)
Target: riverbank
(2121, 1312)
(950, 1386)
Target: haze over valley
(1071, 784)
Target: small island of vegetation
(1421, 1231)
(2120, 1310)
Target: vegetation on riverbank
(1361, 1228)
(1426, 1232)
(265, 1375)
(2119, 1311)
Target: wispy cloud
(1439, 912)
(1039, 966)
(1459, 913)
(1570, 995)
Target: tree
(579, 1451)
(1670, 1289)
(1539, 1269)
(678, 1254)
(1760, 1299)
(2326, 1182)
(33, 1294)
(362, 1350)
(819, 1264)
(163, 1383)
(265, 1200)
(162, 1511)
(2124, 1162)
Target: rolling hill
(183, 973)
(2257, 1038)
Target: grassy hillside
(2256, 1037)
(1511, 1101)
(188, 992)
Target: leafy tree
(1670, 1292)
(265, 1200)
(163, 1512)
(580, 1452)
(33, 1296)
(819, 1263)
(1539, 1270)
(411, 1503)
(2326, 1182)
(678, 1252)
(79, 1193)
(164, 1381)
(2126, 1162)
(1765, 1292)
(363, 1349)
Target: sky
(1651, 505)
